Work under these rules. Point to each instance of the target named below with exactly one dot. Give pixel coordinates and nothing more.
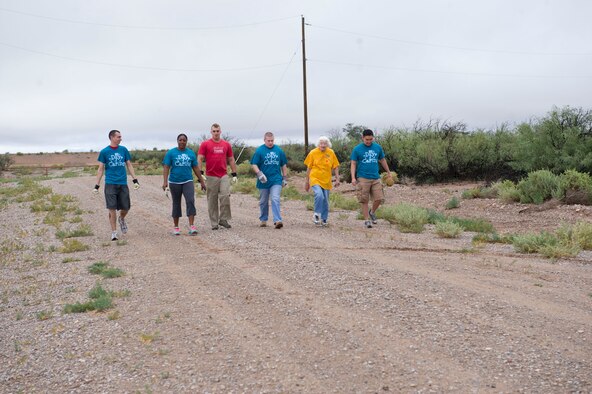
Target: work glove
(96, 189)
(261, 176)
(284, 182)
(136, 184)
(234, 178)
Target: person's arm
(353, 168)
(337, 181)
(232, 163)
(165, 175)
(130, 168)
(100, 172)
(307, 181)
(284, 171)
(384, 165)
(255, 168)
(200, 178)
(200, 160)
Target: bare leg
(112, 219)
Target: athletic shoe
(368, 224)
(278, 225)
(176, 231)
(224, 224)
(122, 225)
(373, 217)
(316, 218)
(113, 235)
(215, 227)
(192, 230)
(324, 223)
(263, 224)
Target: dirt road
(301, 309)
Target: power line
(271, 97)
(144, 27)
(448, 72)
(140, 67)
(452, 46)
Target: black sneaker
(368, 224)
(214, 227)
(373, 217)
(224, 224)
(278, 225)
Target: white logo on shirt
(116, 160)
(182, 160)
(271, 159)
(370, 157)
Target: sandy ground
(302, 309)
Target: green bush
(572, 181)
(245, 169)
(409, 218)
(582, 235)
(453, 203)
(5, 162)
(448, 229)
(506, 191)
(538, 187)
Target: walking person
(177, 177)
(217, 154)
(321, 162)
(364, 171)
(113, 161)
(269, 163)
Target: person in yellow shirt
(321, 163)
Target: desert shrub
(572, 181)
(5, 162)
(532, 242)
(245, 169)
(84, 230)
(506, 191)
(538, 187)
(72, 245)
(448, 229)
(559, 141)
(471, 193)
(246, 186)
(290, 192)
(409, 218)
(453, 203)
(477, 225)
(582, 234)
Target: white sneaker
(113, 235)
(316, 218)
(176, 231)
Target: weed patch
(73, 245)
(448, 229)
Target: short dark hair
(182, 135)
(367, 132)
(112, 133)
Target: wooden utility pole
(304, 86)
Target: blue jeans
(321, 202)
(275, 191)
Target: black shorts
(117, 197)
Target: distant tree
(5, 162)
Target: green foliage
(246, 186)
(559, 141)
(582, 235)
(448, 229)
(84, 230)
(538, 187)
(548, 244)
(453, 203)
(101, 300)
(5, 162)
(409, 218)
(507, 191)
(290, 192)
(73, 245)
(105, 270)
(477, 225)
(572, 181)
(245, 169)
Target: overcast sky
(72, 70)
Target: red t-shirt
(216, 154)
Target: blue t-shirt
(114, 160)
(270, 161)
(181, 162)
(367, 158)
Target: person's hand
(235, 178)
(307, 185)
(203, 176)
(136, 184)
(96, 189)
(354, 181)
(261, 176)
(165, 186)
(337, 183)
(284, 182)
(202, 183)
(166, 192)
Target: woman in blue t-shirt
(178, 165)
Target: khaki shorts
(369, 187)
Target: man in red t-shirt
(217, 154)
